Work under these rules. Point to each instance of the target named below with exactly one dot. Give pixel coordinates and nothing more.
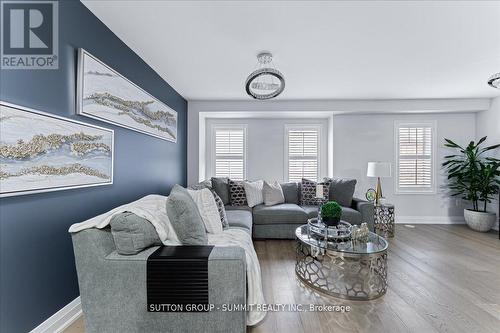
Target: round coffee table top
(375, 243)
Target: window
(302, 153)
(415, 157)
(229, 150)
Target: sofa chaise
(112, 287)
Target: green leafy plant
(331, 210)
(472, 174)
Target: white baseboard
(430, 219)
(59, 321)
(496, 226)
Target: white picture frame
(42, 152)
(106, 95)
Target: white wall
(488, 124)
(266, 145)
(199, 110)
(362, 132)
(359, 139)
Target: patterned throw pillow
(222, 210)
(237, 195)
(308, 192)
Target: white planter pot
(479, 221)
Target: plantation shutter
(230, 153)
(303, 154)
(415, 157)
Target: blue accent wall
(37, 271)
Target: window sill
(430, 192)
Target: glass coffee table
(345, 269)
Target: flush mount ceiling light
(266, 81)
(494, 81)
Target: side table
(384, 220)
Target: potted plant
(331, 213)
(474, 177)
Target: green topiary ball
(331, 210)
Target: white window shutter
(230, 153)
(415, 157)
(303, 146)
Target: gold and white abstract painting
(41, 152)
(106, 95)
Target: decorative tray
(337, 233)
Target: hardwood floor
(442, 278)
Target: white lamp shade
(379, 169)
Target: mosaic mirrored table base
(343, 275)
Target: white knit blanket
(238, 237)
(153, 208)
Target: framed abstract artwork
(106, 95)
(41, 152)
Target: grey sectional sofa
(280, 221)
(112, 286)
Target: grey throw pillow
(201, 185)
(221, 186)
(291, 192)
(308, 192)
(132, 233)
(342, 190)
(186, 220)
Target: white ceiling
(325, 49)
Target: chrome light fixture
(494, 81)
(266, 81)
